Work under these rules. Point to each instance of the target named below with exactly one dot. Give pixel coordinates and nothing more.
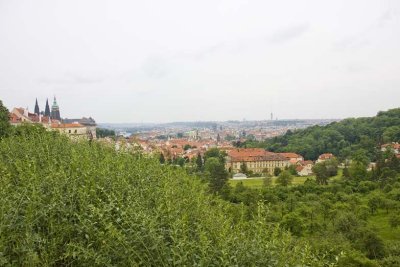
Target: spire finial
(37, 111)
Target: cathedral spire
(37, 108)
(55, 110)
(47, 110)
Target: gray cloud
(155, 67)
(288, 34)
(362, 38)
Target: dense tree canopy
(340, 138)
(102, 132)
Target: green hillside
(81, 204)
(340, 138)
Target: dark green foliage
(324, 170)
(162, 158)
(216, 174)
(243, 168)
(284, 178)
(75, 204)
(340, 138)
(5, 127)
(293, 223)
(394, 220)
(372, 244)
(277, 171)
(292, 169)
(181, 161)
(229, 138)
(101, 133)
(215, 153)
(339, 215)
(199, 162)
(392, 134)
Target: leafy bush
(74, 204)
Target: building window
(69, 131)
(76, 131)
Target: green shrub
(81, 204)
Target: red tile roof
(326, 156)
(290, 155)
(14, 118)
(299, 168)
(393, 145)
(254, 154)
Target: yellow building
(256, 160)
(73, 130)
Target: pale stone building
(256, 160)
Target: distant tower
(55, 110)
(47, 109)
(37, 111)
(272, 116)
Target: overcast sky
(159, 61)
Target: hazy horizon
(173, 61)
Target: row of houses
(394, 147)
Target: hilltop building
(292, 157)
(76, 128)
(324, 157)
(73, 130)
(88, 123)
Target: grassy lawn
(338, 176)
(257, 182)
(380, 222)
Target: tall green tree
(217, 175)
(215, 153)
(162, 158)
(392, 134)
(324, 170)
(284, 178)
(321, 173)
(199, 162)
(243, 168)
(277, 171)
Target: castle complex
(55, 110)
(84, 128)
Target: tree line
(341, 138)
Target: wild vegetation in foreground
(72, 204)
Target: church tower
(47, 110)
(55, 110)
(37, 108)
